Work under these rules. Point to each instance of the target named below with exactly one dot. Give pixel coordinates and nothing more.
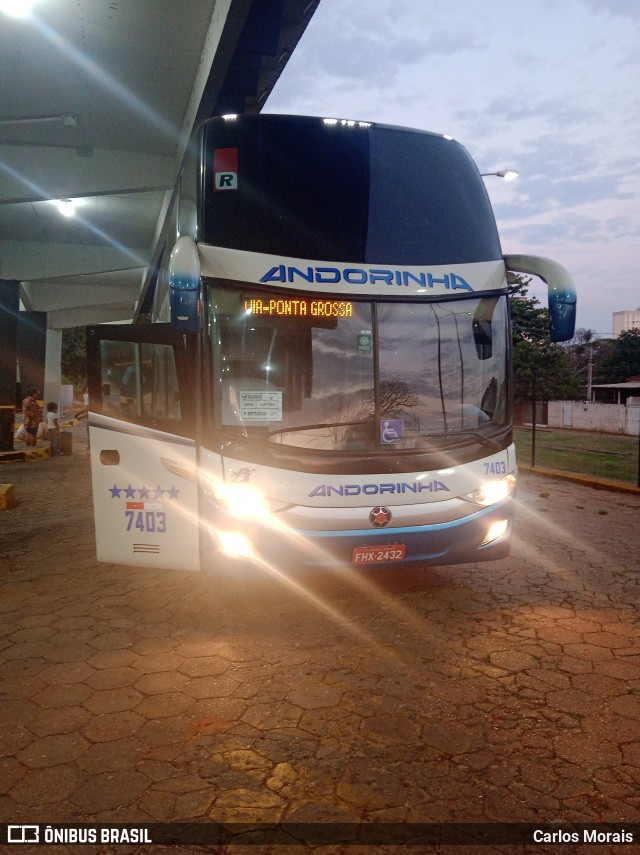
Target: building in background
(625, 320)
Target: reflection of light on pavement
(532, 552)
(295, 585)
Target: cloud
(503, 114)
(547, 88)
(614, 8)
(557, 230)
(368, 59)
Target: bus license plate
(378, 554)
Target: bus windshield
(373, 194)
(347, 375)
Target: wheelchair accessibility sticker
(391, 430)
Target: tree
(623, 361)
(554, 379)
(580, 349)
(585, 355)
(74, 357)
(529, 321)
(533, 351)
(395, 396)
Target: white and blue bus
(326, 374)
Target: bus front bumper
(484, 534)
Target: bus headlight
(241, 500)
(493, 492)
(496, 531)
(235, 545)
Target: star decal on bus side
(144, 492)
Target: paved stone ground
(502, 692)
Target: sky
(548, 88)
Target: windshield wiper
(454, 434)
(314, 427)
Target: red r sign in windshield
(225, 168)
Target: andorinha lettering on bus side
(377, 489)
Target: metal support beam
(85, 315)
(70, 292)
(37, 260)
(39, 173)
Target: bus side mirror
(184, 286)
(562, 291)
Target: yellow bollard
(7, 496)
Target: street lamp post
(534, 407)
(507, 174)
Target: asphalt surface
(500, 692)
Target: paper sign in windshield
(261, 406)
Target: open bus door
(142, 427)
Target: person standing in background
(84, 412)
(31, 417)
(54, 428)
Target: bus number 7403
(154, 522)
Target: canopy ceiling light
(17, 8)
(67, 207)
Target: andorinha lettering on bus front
(364, 276)
(333, 278)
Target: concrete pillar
(52, 368)
(9, 311)
(32, 341)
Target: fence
(602, 440)
(606, 418)
(523, 413)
